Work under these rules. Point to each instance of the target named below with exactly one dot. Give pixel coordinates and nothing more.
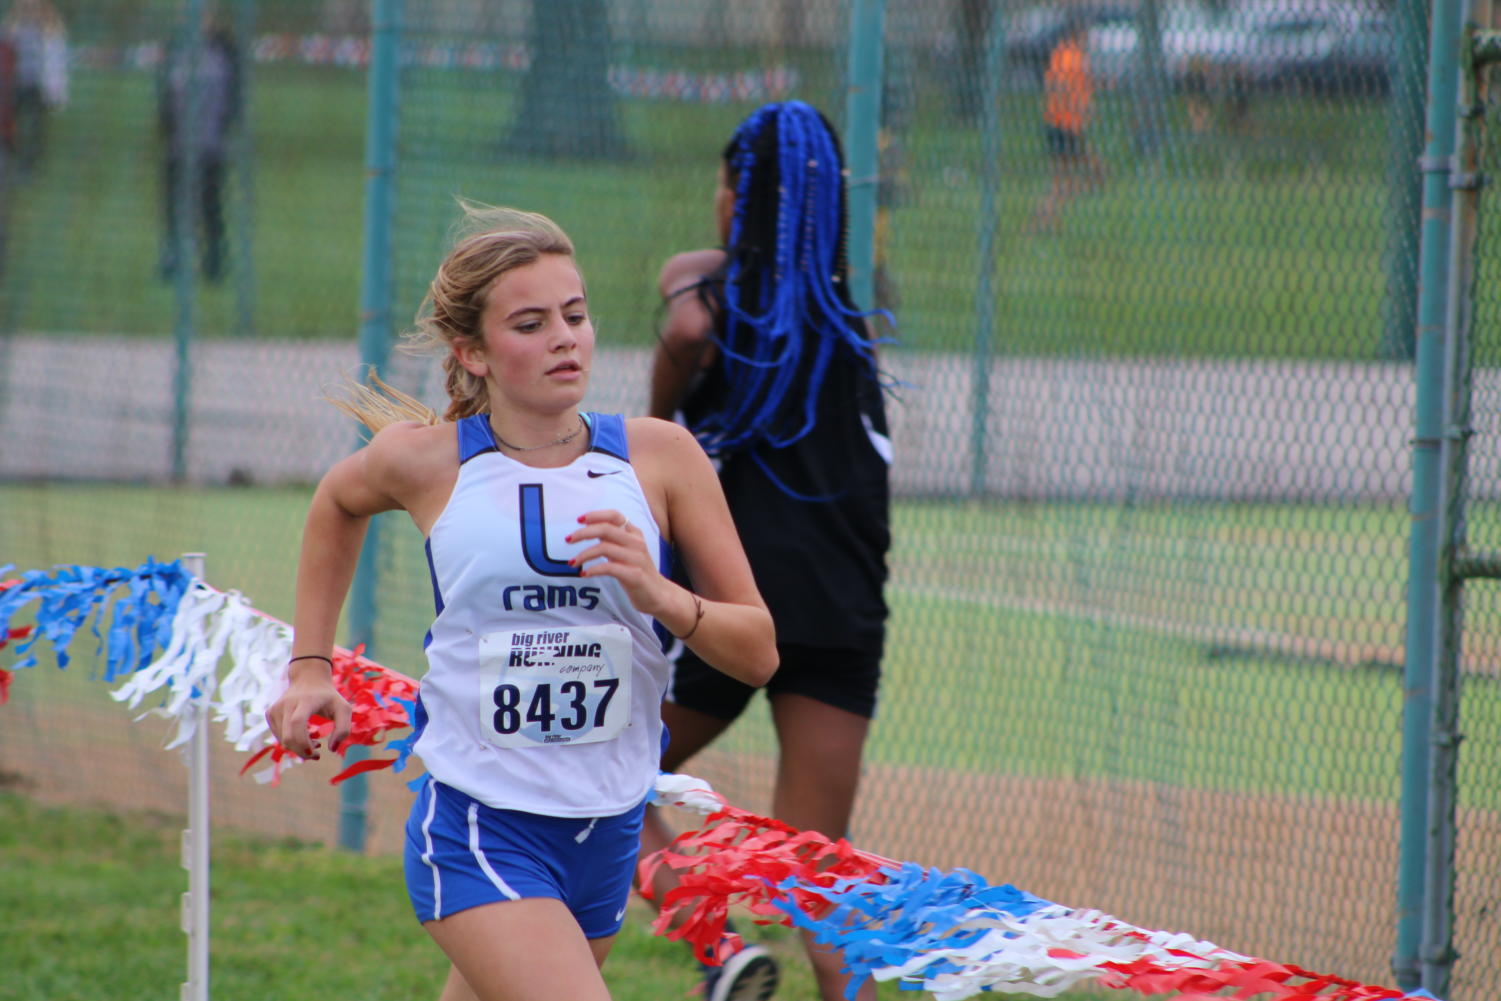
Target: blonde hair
(488, 242)
(376, 403)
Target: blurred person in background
(198, 108)
(1068, 94)
(39, 45)
(1216, 96)
(764, 356)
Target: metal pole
(1426, 571)
(185, 217)
(994, 64)
(244, 161)
(195, 838)
(375, 339)
(862, 123)
(1437, 946)
(1151, 88)
(1404, 143)
(380, 180)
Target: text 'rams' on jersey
(543, 689)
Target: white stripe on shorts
(427, 856)
(479, 856)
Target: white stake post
(195, 839)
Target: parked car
(1195, 39)
(1322, 49)
(1112, 46)
(1313, 46)
(1031, 35)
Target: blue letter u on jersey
(534, 535)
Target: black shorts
(844, 679)
(1062, 143)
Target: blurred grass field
(1265, 243)
(1090, 617)
(1232, 668)
(92, 902)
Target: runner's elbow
(762, 665)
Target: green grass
(91, 900)
(1268, 243)
(1234, 647)
(90, 221)
(1228, 648)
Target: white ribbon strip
(685, 791)
(209, 624)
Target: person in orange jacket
(1068, 87)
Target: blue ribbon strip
(70, 597)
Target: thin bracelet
(698, 607)
(312, 656)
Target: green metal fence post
(1150, 86)
(994, 63)
(185, 247)
(862, 123)
(1429, 511)
(243, 157)
(375, 336)
(1404, 143)
(1465, 182)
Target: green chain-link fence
(1152, 431)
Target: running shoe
(748, 975)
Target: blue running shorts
(461, 853)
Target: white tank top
(543, 690)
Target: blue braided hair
(787, 314)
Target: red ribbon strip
(18, 633)
(372, 691)
(739, 858)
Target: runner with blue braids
(764, 356)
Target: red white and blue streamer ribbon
(950, 933)
(166, 634)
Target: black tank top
(819, 559)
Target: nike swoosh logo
(594, 473)
(620, 914)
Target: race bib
(563, 685)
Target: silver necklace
(565, 439)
